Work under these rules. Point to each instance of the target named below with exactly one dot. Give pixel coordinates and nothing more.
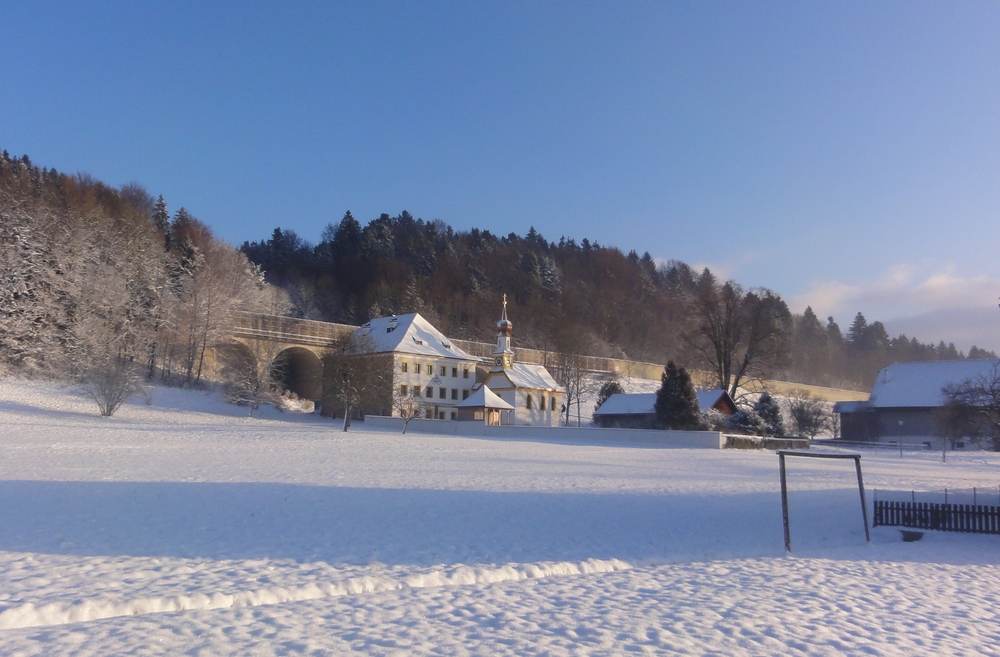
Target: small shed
(636, 410)
(716, 400)
(484, 406)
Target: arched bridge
(299, 345)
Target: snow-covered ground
(182, 527)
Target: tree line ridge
(91, 272)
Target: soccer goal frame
(782, 453)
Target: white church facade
(532, 392)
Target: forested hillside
(570, 296)
(95, 279)
(91, 274)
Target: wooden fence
(969, 518)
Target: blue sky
(846, 155)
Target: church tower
(503, 355)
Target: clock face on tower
(499, 360)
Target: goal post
(782, 453)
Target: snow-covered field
(183, 527)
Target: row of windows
(428, 392)
(530, 402)
(443, 370)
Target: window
(416, 368)
(403, 390)
(429, 413)
(465, 394)
(416, 391)
(465, 373)
(430, 392)
(541, 401)
(479, 415)
(552, 402)
(528, 403)
(402, 366)
(454, 393)
(430, 369)
(444, 371)
(454, 415)
(442, 393)
(441, 415)
(454, 372)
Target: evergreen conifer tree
(161, 218)
(609, 388)
(857, 333)
(676, 402)
(766, 407)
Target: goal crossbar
(782, 453)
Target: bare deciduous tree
(355, 376)
(407, 407)
(572, 374)
(110, 380)
(740, 335)
(974, 404)
(809, 415)
(252, 371)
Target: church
(535, 396)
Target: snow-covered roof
(412, 335)
(628, 404)
(644, 402)
(918, 385)
(484, 398)
(849, 406)
(709, 398)
(534, 377)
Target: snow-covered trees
(763, 418)
(769, 411)
(91, 291)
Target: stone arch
(230, 354)
(300, 370)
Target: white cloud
(922, 300)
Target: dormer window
(418, 341)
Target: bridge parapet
(311, 333)
(288, 329)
